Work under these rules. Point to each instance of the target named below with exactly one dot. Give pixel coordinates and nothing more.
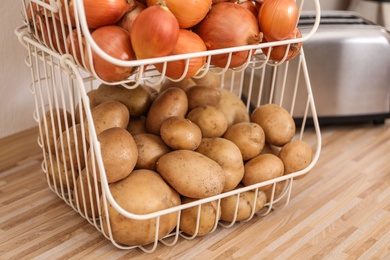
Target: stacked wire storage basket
(59, 82)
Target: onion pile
(142, 29)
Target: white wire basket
(61, 83)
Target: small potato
(59, 175)
(119, 153)
(233, 107)
(245, 202)
(142, 192)
(72, 148)
(137, 100)
(180, 133)
(261, 168)
(202, 96)
(226, 154)
(296, 156)
(211, 121)
(191, 173)
(277, 123)
(106, 115)
(209, 217)
(52, 126)
(171, 102)
(249, 138)
(137, 125)
(150, 148)
(90, 193)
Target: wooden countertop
(341, 210)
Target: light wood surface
(341, 210)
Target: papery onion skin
(278, 18)
(278, 52)
(229, 25)
(188, 42)
(155, 32)
(187, 12)
(115, 41)
(127, 20)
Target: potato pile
(181, 143)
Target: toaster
(348, 61)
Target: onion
(126, 22)
(278, 18)
(250, 5)
(115, 41)
(188, 42)
(278, 52)
(229, 25)
(187, 12)
(155, 32)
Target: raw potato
(137, 100)
(142, 192)
(279, 190)
(72, 150)
(119, 153)
(59, 175)
(88, 192)
(106, 115)
(277, 123)
(249, 138)
(191, 173)
(211, 121)
(226, 154)
(210, 214)
(150, 148)
(232, 106)
(180, 133)
(171, 102)
(296, 156)
(182, 84)
(137, 125)
(211, 80)
(56, 122)
(261, 168)
(246, 204)
(202, 96)
(92, 103)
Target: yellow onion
(126, 22)
(278, 52)
(188, 42)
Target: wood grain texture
(340, 210)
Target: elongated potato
(192, 174)
(202, 96)
(233, 108)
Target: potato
(142, 192)
(137, 125)
(210, 213)
(232, 106)
(59, 175)
(202, 96)
(261, 168)
(296, 156)
(52, 126)
(280, 188)
(72, 148)
(180, 133)
(137, 100)
(277, 123)
(106, 115)
(119, 153)
(246, 204)
(171, 102)
(80, 115)
(226, 154)
(182, 84)
(211, 121)
(191, 173)
(249, 138)
(150, 148)
(211, 80)
(88, 191)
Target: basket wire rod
(289, 190)
(250, 88)
(196, 231)
(155, 242)
(284, 83)
(272, 89)
(233, 221)
(174, 234)
(296, 83)
(217, 216)
(253, 211)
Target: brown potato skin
(277, 123)
(137, 125)
(192, 174)
(180, 133)
(171, 102)
(249, 138)
(61, 120)
(59, 175)
(296, 155)
(262, 168)
(142, 192)
(202, 96)
(88, 192)
(232, 106)
(210, 120)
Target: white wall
(16, 102)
